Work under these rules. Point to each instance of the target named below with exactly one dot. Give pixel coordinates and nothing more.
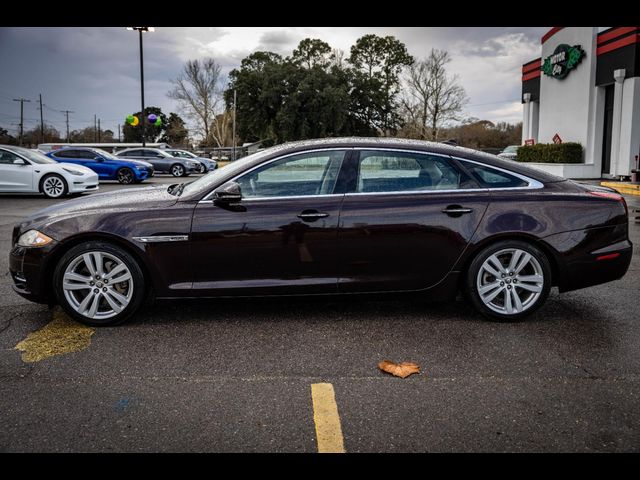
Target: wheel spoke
(523, 262)
(496, 263)
(111, 301)
(76, 286)
(507, 302)
(530, 278)
(76, 277)
(517, 303)
(121, 299)
(97, 258)
(94, 305)
(122, 278)
(530, 287)
(116, 270)
(85, 303)
(88, 261)
(514, 260)
(488, 297)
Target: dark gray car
(162, 162)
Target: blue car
(107, 166)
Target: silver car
(162, 161)
(510, 152)
(207, 164)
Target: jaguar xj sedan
(336, 216)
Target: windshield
(105, 154)
(511, 149)
(182, 154)
(32, 155)
(210, 179)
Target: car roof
(416, 145)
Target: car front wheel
(126, 176)
(53, 186)
(177, 170)
(99, 284)
(508, 280)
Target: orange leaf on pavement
(402, 370)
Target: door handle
(311, 215)
(456, 210)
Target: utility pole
(98, 130)
(41, 122)
(21, 100)
(234, 123)
(67, 112)
(119, 141)
(142, 119)
(95, 128)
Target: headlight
(33, 238)
(72, 171)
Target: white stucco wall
(566, 105)
(629, 145)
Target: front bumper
(29, 269)
(86, 183)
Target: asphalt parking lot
(236, 375)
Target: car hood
(142, 198)
(79, 168)
(140, 163)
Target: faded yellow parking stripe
(60, 336)
(326, 418)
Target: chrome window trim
(346, 149)
(532, 183)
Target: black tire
(138, 296)
(203, 168)
(177, 170)
(471, 280)
(47, 187)
(125, 176)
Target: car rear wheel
(53, 186)
(125, 176)
(202, 168)
(509, 280)
(177, 170)
(99, 284)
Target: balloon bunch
(153, 120)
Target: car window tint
(132, 153)
(7, 157)
(384, 171)
(65, 154)
(493, 178)
(85, 154)
(304, 174)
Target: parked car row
(76, 170)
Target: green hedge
(569, 152)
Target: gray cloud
(96, 70)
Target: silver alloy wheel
(510, 281)
(97, 285)
(203, 169)
(177, 170)
(53, 186)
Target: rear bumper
(591, 257)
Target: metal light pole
(234, 124)
(142, 119)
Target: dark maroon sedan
(335, 216)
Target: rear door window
(492, 178)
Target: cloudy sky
(96, 70)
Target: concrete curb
(623, 187)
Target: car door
(280, 237)
(15, 177)
(406, 219)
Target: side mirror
(98, 159)
(229, 192)
(19, 161)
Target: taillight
(613, 196)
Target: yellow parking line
(326, 418)
(60, 336)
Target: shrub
(569, 152)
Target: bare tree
(198, 91)
(433, 97)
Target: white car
(24, 171)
